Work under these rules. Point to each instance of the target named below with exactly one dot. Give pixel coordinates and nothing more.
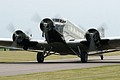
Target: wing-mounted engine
(21, 39)
(93, 38)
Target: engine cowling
(20, 38)
(46, 25)
(93, 38)
(95, 33)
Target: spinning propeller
(19, 37)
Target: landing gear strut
(84, 57)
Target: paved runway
(17, 68)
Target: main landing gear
(82, 54)
(84, 57)
(101, 57)
(41, 55)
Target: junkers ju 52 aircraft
(63, 37)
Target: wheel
(84, 57)
(40, 57)
(25, 48)
(101, 56)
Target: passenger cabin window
(59, 20)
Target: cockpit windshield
(59, 20)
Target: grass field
(16, 56)
(13, 56)
(96, 73)
(112, 53)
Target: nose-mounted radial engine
(49, 31)
(21, 39)
(93, 38)
(46, 25)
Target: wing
(5, 42)
(69, 47)
(112, 43)
(8, 43)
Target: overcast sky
(86, 13)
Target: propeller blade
(102, 29)
(36, 18)
(58, 16)
(44, 31)
(43, 28)
(14, 44)
(11, 28)
(92, 46)
(43, 34)
(28, 32)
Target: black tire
(84, 57)
(25, 48)
(40, 57)
(101, 57)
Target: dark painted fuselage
(60, 31)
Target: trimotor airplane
(63, 37)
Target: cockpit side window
(59, 28)
(59, 20)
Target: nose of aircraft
(46, 25)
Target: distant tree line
(4, 49)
